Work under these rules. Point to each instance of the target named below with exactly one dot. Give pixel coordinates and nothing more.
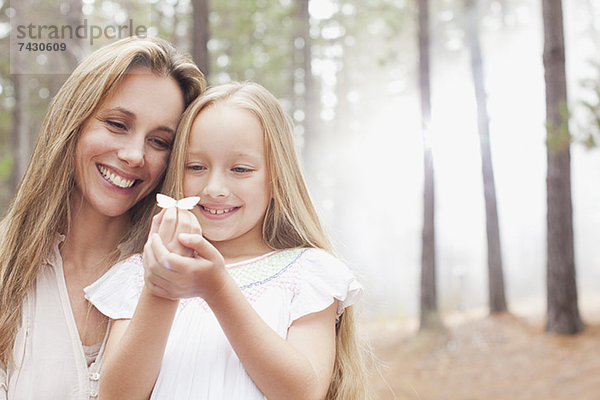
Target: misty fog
(369, 186)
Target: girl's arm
(297, 368)
(135, 347)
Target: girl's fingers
(160, 252)
(155, 273)
(201, 246)
(151, 263)
(156, 220)
(186, 223)
(168, 224)
(192, 223)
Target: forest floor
(486, 358)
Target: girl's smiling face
(124, 146)
(226, 166)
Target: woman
(84, 203)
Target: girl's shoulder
(323, 265)
(319, 257)
(116, 293)
(321, 279)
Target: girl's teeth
(217, 212)
(115, 179)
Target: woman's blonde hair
(291, 219)
(41, 206)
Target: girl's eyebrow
(237, 154)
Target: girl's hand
(167, 225)
(170, 223)
(174, 276)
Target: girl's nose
(216, 185)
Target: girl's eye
(194, 167)
(241, 170)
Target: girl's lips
(221, 211)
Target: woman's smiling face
(124, 147)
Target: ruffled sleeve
(323, 278)
(117, 292)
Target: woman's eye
(161, 143)
(116, 124)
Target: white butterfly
(187, 203)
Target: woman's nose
(132, 151)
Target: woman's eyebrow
(133, 116)
(166, 129)
(123, 111)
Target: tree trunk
(428, 301)
(200, 36)
(497, 301)
(20, 142)
(76, 49)
(563, 313)
(20, 133)
(308, 101)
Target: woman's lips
(115, 178)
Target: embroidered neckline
(242, 263)
(264, 268)
(253, 276)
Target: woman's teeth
(115, 179)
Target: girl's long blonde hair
(291, 219)
(41, 206)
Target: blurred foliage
(249, 40)
(360, 50)
(559, 137)
(5, 167)
(590, 129)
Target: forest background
(347, 72)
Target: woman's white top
(50, 362)
(199, 362)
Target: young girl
(266, 310)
